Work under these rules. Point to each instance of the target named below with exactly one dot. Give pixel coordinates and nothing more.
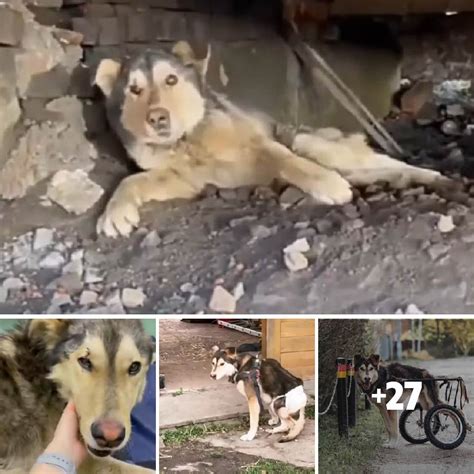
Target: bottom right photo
(394, 395)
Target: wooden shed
(292, 343)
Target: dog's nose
(212, 376)
(108, 433)
(159, 118)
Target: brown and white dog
(263, 382)
(185, 136)
(372, 374)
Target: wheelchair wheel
(445, 426)
(411, 425)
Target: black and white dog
(264, 383)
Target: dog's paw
(391, 444)
(119, 219)
(273, 422)
(331, 189)
(247, 437)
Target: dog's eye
(221, 364)
(85, 363)
(135, 89)
(134, 368)
(171, 80)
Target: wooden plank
(273, 339)
(295, 359)
(305, 373)
(297, 344)
(297, 327)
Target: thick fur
(186, 136)
(40, 371)
(280, 391)
(372, 374)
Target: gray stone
(133, 298)
(295, 261)
(93, 275)
(437, 250)
(11, 26)
(88, 297)
(291, 196)
(242, 220)
(222, 301)
(89, 28)
(262, 232)
(446, 224)
(350, 211)
(74, 191)
(53, 261)
(151, 240)
(3, 295)
(13, 283)
(187, 288)
(43, 238)
(324, 226)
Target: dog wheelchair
(444, 425)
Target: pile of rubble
(42, 127)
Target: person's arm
(66, 448)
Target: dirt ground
(185, 351)
(377, 255)
(426, 458)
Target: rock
(93, 275)
(133, 297)
(114, 303)
(3, 295)
(11, 26)
(88, 297)
(438, 250)
(308, 233)
(74, 191)
(350, 211)
(187, 288)
(70, 282)
(450, 128)
(43, 238)
(262, 232)
(222, 301)
(76, 264)
(301, 225)
(413, 100)
(291, 196)
(242, 220)
(295, 261)
(53, 261)
(413, 309)
(455, 110)
(228, 194)
(446, 224)
(355, 224)
(151, 240)
(455, 158)
(13, 283)
(324, 226)
(299, 245)
(238, 291)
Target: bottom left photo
(77, 393)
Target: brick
(52, 17)
(99, 10)
(73, 2)
(231, 28)
(109, 32)
(11, 26)
(89, 28)
(198, 26)
(169, 26)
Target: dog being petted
(245, 386)
(105, 367)
(401, 385)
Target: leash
(252, 375)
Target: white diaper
(295, 399)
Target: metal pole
(351, 402)
(341, 390)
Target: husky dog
(372, 374)
(100, 365)
(185, 136)
(263, 382)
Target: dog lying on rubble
(185, 136)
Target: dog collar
(57, 461)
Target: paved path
(425, 458)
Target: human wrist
(55, 464)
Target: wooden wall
(291, 342)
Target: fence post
(351, 402)
(342, 396)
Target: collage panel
(394, 395)
(237, 395)
(77, 394)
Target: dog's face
(223, 363)
(100, 365)
(367, 370)
(153, 99)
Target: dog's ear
(231, 352)
(49, 330)
(106, 75)
(214, 349)
(374, 359)
(358, 360)
(184, 51)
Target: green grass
(349, 455)
(187, 433)
(178, 392)
(264, 466)
(309, 412)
